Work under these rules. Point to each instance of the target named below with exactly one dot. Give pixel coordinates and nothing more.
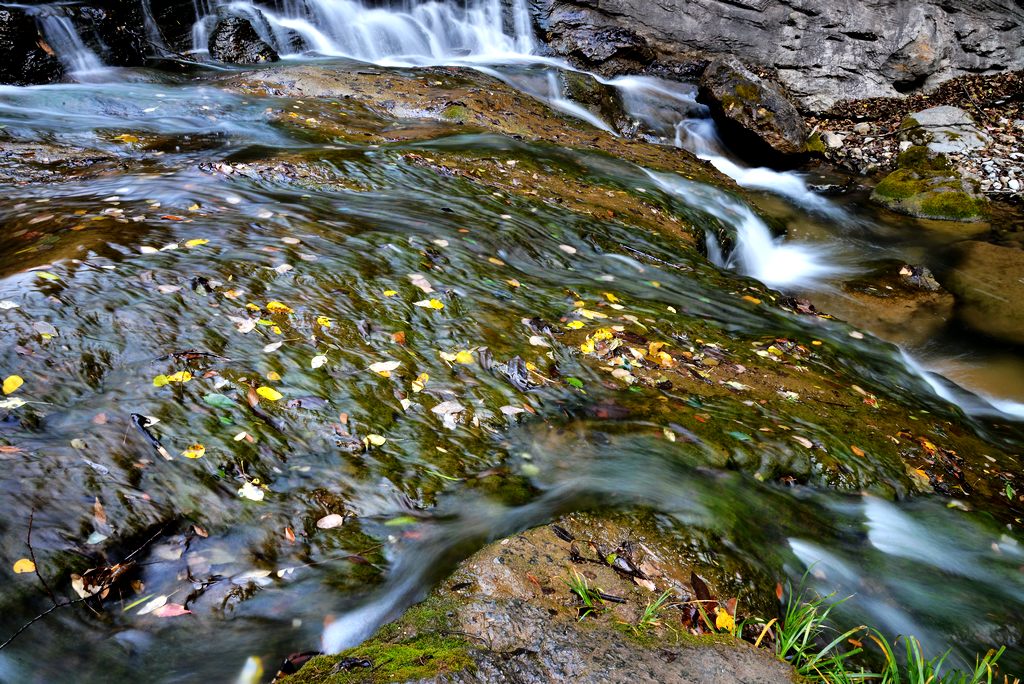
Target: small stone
(1014, 185)
(862, 128)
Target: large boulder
(988, 282)
(113, 29)
(27, 59)
(752, 112)
(926, 186)
(235, 40)
(823, 51)
(944, 130)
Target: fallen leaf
(23, 565)
(194, 451)
(278, 307)
(857, 451)
(269, 393)
(152, 605)
(375, 440)
(464, 357)
(331, 521)
(420, 382)
(318, 361)
(252, 492)
(12, 383)
(171, 610)
(430, 304)
(449, 412)
(384, 367)
(196, 242)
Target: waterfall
(401, 33)
(63, 38)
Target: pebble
(862, 128)
(1014, 185)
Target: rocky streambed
(472, 374)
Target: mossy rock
(920, 158)
(421, 657)
(816, 144)
(930, 194)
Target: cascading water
(62, 36)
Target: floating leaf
(219, 401)
(171, 610)
(252, 492)
(574, 325)
(375, 440)
(180, 376)
(384, 367)
(268, 393)
(12, 403)
(331, 521)
(323, 321)
(420, 382)
(273, 346)
(196, 242)
(575, 382)
(464, 357)
(401, 520)
(158, 602)
(12, 383)
(126, 138)
(279, 307)
(318, 361)
(23, 565)
(449, 412)
(194, 451)
(46, 275)
(390, 293)
(430, 304)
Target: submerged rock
(508, 615)
(27, 59)
(751, 109)
(235, 40)
(989, 284)
(943, 130)
(926, 186)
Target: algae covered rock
(751, 109)
(925, 186)
(989, 284)
(509, 614)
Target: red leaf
(171, 610)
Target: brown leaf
(700, 588)
(398, 337)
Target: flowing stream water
(108, 280)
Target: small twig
(32, 555)
(39, 617)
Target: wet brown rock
(989, 284)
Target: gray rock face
(752, 107)
(944, 130)
(235, 40)
(823, 51)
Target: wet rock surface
(751, 110)
(831, 52)
(943, 130)
(26, 58)
(509, 615)
(236, 41)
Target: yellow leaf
(160, 380)
(126, 138)
(464, 357)
(232, 294)
(587, 347)
(12, 383)
(724, 621)
(495, 261)
(194, 451)
(574, 325)
(196, 242)
(180, 376)
(513, 282)
(323, 321)
(430, 304)
(278, 307)
(375, 440)
(752, 300)
(390, 293)
(420, 382)
(273, 376)
(602, 334)
(268, 393)
(587, 313)
(610, 297)
(46, 275)
(24, 565)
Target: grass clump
(805, 640)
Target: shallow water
(113, 280)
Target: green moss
(901, 184)
(748, 91)
(815, 143)
(410, 660)
(457, 113)
(957, 205)
(920, 158)
(909, 122)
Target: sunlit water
(163, 257)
